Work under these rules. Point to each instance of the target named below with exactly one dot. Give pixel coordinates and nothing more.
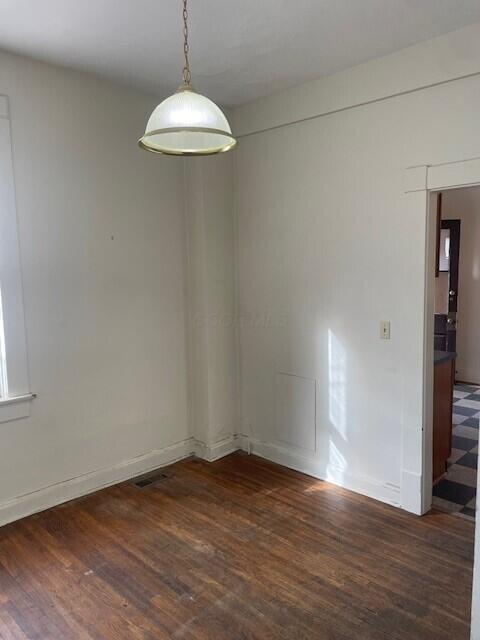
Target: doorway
(422, 184)
(456, 386)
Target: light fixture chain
(187, 123)
(186, 69)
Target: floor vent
(147, 481)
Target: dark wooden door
(448, 255)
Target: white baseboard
(412, 493)
(312, 466)
(468, 375)
(60, 492)
(243, 442)
(217, 450)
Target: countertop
(443, 356)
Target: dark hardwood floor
(236, 549)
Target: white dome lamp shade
(187, 123)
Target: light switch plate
(385, 329)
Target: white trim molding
(14, 362)
(72, 488)
(300, 461)
(453, 175)
(55, 494)
(220, 449)
(421, 184)
(15, 408)
(315, 467)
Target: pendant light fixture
(187, 123)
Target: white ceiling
(240, 49)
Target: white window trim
(15, 408)
(16, 398)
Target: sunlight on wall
(335, 458)
(337, 407)
(337, 383)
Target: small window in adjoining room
(15, 393)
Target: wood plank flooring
(237, 549)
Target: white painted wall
(327, 249)
(102, 243)
(213, 363)
(464, 205)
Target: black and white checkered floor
(457, 490)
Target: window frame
(14, 379)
